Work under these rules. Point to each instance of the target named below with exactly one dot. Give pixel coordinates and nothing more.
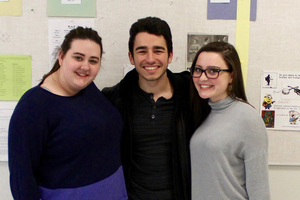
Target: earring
(229, 87)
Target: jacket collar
(179, 81)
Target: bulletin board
(274, 43)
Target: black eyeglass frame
(204, 70)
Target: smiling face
(214, 89)
(150, 57)
(79, 66)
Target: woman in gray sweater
(229, 150)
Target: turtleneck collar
(220, 105)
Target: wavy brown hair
(232, 60)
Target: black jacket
(120, 95)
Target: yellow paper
(15, 76)
(11, 8)
(242, 34)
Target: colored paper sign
(219, 1)
(11, 8)
(15, 76)
(228, 11)
(55, 8)
(242, 35)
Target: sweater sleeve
(25, 141)
(256, 160)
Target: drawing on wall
(294, 116)
(268, 101)
(268, 117)
(286, 91)
(270, 80)
(280, 100)
(196, 41)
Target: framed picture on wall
(196, 41)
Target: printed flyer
(280, 100)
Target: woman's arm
(25, 140)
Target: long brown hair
(235, 90)
(232, 60)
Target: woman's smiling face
(80, 65)
(214, 89)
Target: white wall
(284, 182)
(274, 45)
(4, 183)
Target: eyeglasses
(210, 73)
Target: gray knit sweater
(229, 154)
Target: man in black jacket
(158, 119)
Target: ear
(231, 77)
(170, 57)
(131, 58)
(60, 58)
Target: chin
(204, 96)
(82, 86)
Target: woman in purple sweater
(64, 135)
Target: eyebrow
(207, 66)
(159, 47)
(144, 47)
(94, 57)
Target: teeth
(150, 68)
(82, 74)
(205, 86)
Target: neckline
(222, 104)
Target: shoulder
(249, 119)
(91, 90)
(31, 106)
(181, 80)
(108, 91)
(33, 95)
(112, 93)
(250, 129)
(124, 88)
(179, 76)
(246, 109)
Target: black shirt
(151, 166)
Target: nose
(203, 77)
(150, 57)
(85, 65)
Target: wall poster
(280, 100)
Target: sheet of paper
(71, 8)
(57, 31)
(280, 100)
(11, 8)
(70, 1)
(15, 79)
(228, 11)
(15, 76)
(6, 110)
(219, 1)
